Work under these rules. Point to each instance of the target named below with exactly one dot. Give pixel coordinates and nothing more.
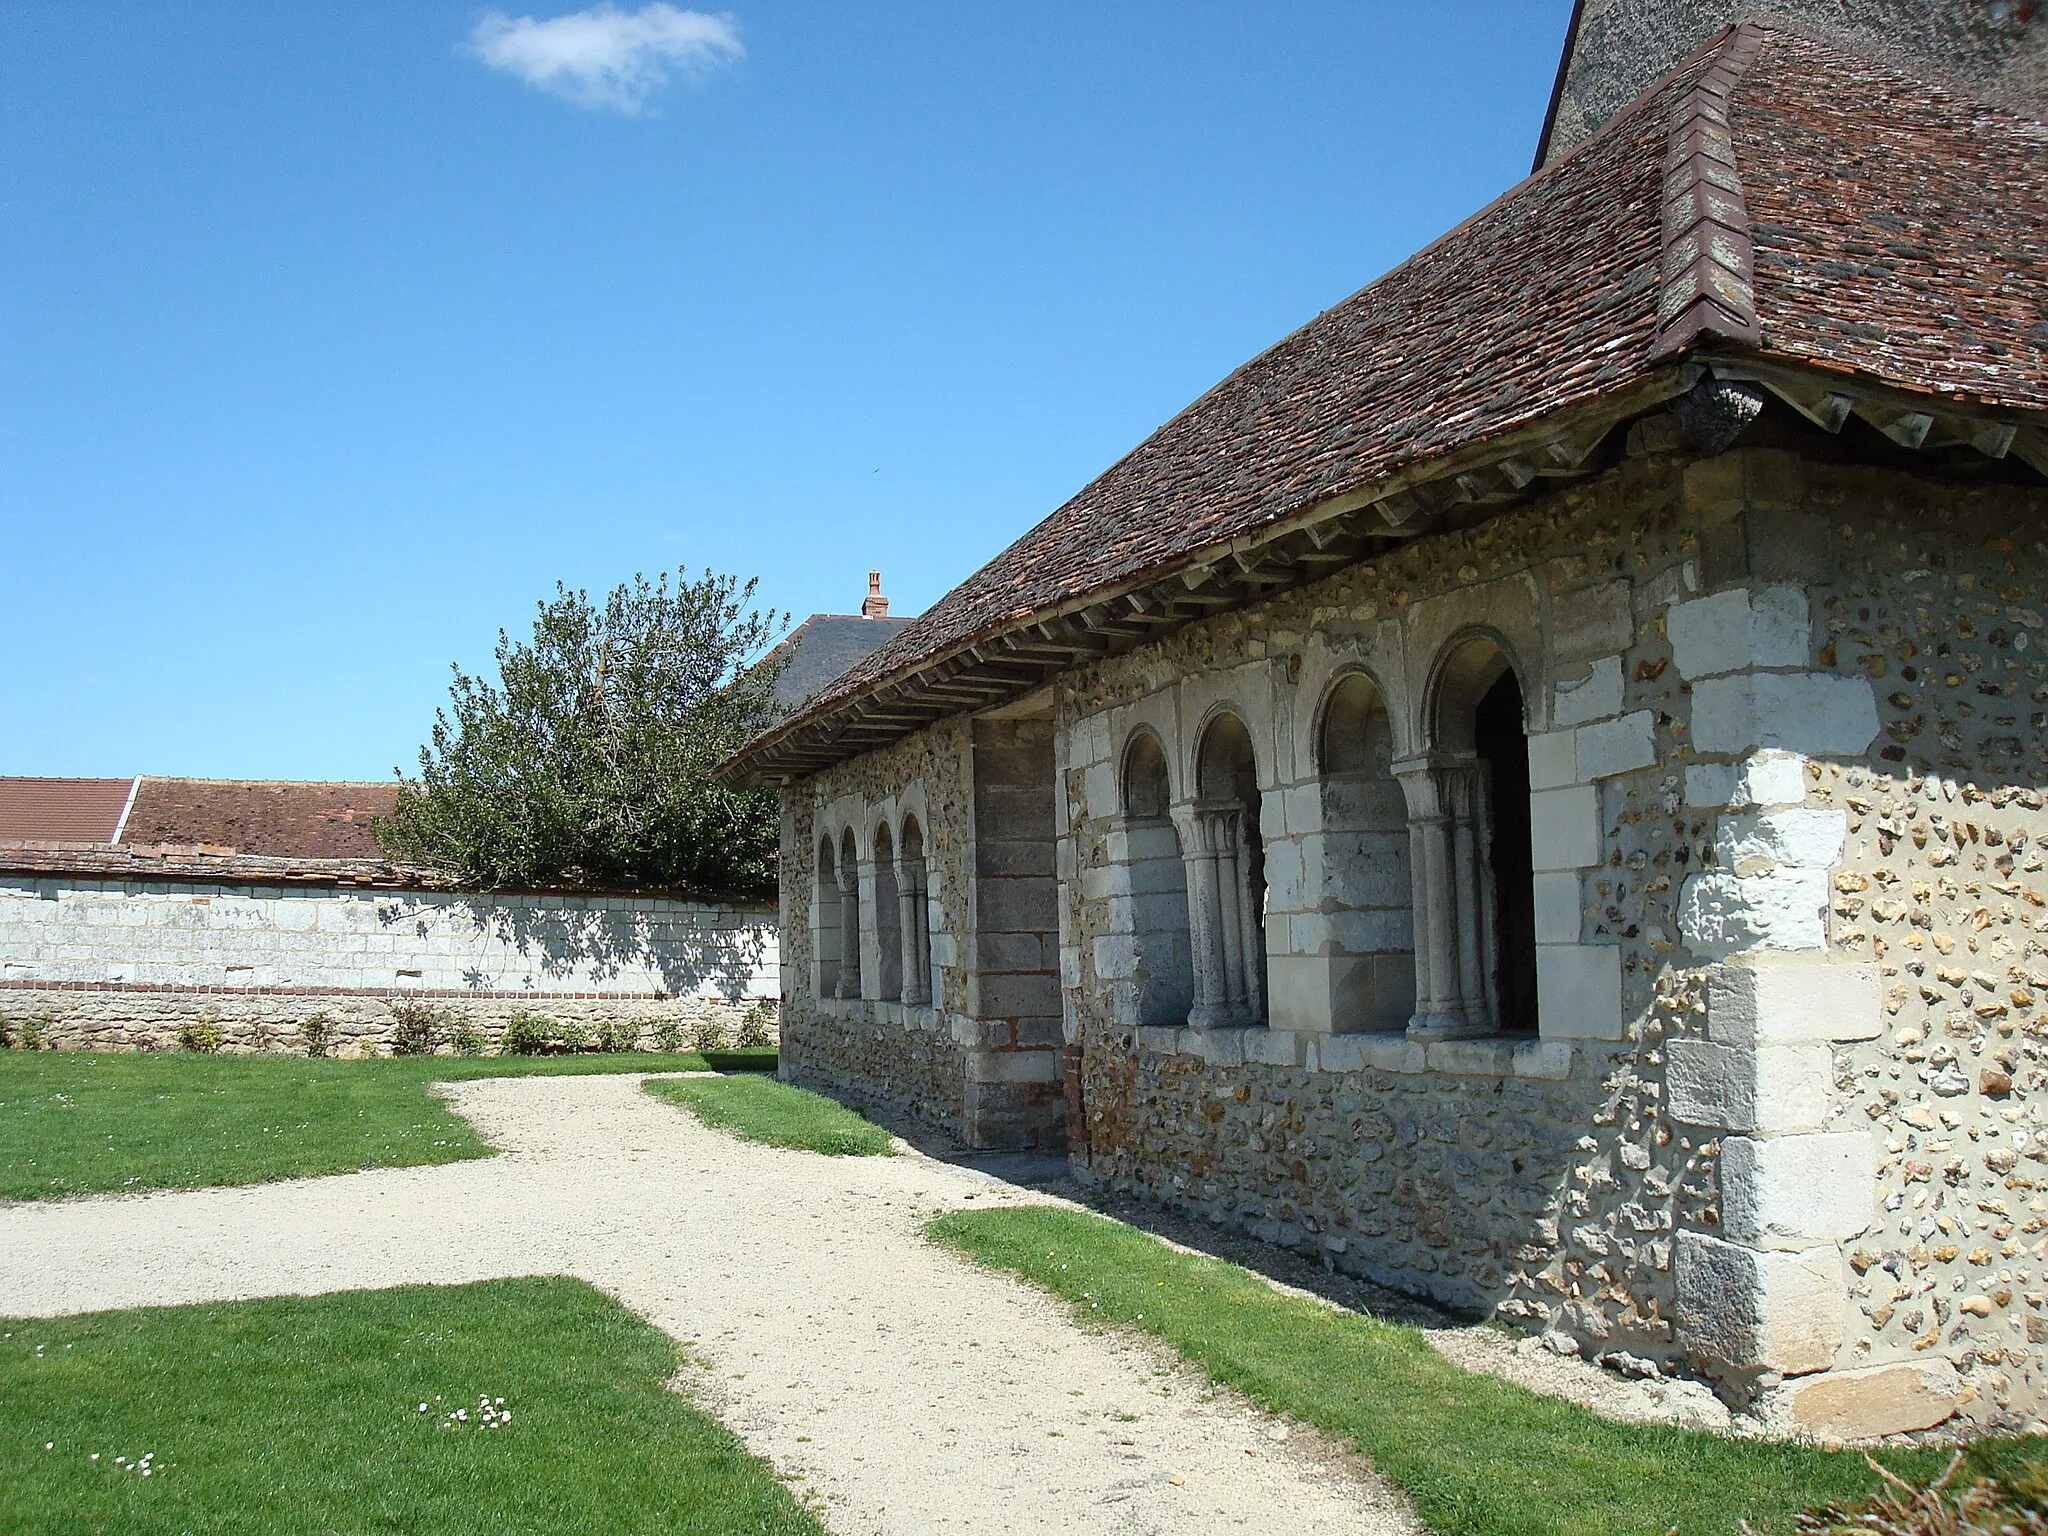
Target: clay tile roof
(61, 810)
(1892, 230)
(275, 818)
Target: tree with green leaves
(587, 764)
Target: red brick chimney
(874, 605)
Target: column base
(1447, 1025)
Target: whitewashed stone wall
(60, 930)
(120, 963)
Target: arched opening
(825, 923)
(888, 920)
(1158, 885)
(1476, 968)
(914, 886)
(1503, 745)
(1367, 893)
(1227, 884)
(849, 917)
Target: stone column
(1464, 795)
(849, 932)
(1431, 836)
(909, 910)
(1215, 924)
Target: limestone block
(1734, 631)
(1862, 1405)
(1787, 839)
(1621, 745)
(1372, 930)
(1593, 697)
(1815, 713)
(1042, 1066)
(1395, 1053)
(1550, 1060)
(1285, 890)
(1597, 621)
(1471, 1058)
(1557, 908)
(1765, 1003)
(1564, 828)
(1553, 759)
(1578, 991)
(1275, 1047)
(1744, 1310)
(1723, 914)
(1116, 956)
(1340, 1053)
(1766, 779)
(1166, 1039)
(1771, 1090)
(1796, 1191)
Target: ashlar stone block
(1771, 1090)
(1786, 909)
(1738, 630)
(1815, 713)
(1593, 697)
(1558, 914)
(1862, 1405)
(1744, 1310)
(1620, 745)
(1764, 1003)
(1578, 991)
(1564, 828)
(1792, 1192)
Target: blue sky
(331, 336)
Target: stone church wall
(1787, 1089)
(902, 1060)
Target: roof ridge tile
(1707, 273)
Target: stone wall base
(357, 1025)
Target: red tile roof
(61, 810)
(1895, 231)
(269, 817)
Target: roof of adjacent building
(1775, 196)
(62, 810)
(270, 817)
(824, 646)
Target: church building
(1532, 788)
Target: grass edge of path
(96, 1123)
(1477, 1455)
(776, 1114)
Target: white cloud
(605, 57)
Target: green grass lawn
(77, 1123)
(762, 1109)
(301, 1415)
(1480, 1457)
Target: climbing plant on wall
(587, 761)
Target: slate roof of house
(1774, 195)
(62, 810)
(824, 646)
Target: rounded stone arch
(1467, 667)
(1481, 955)
(1355, 726)
(1226, 762)
(1146, 777)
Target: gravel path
(907, 1389)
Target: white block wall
(63, 931)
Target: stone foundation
(72, 1020)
